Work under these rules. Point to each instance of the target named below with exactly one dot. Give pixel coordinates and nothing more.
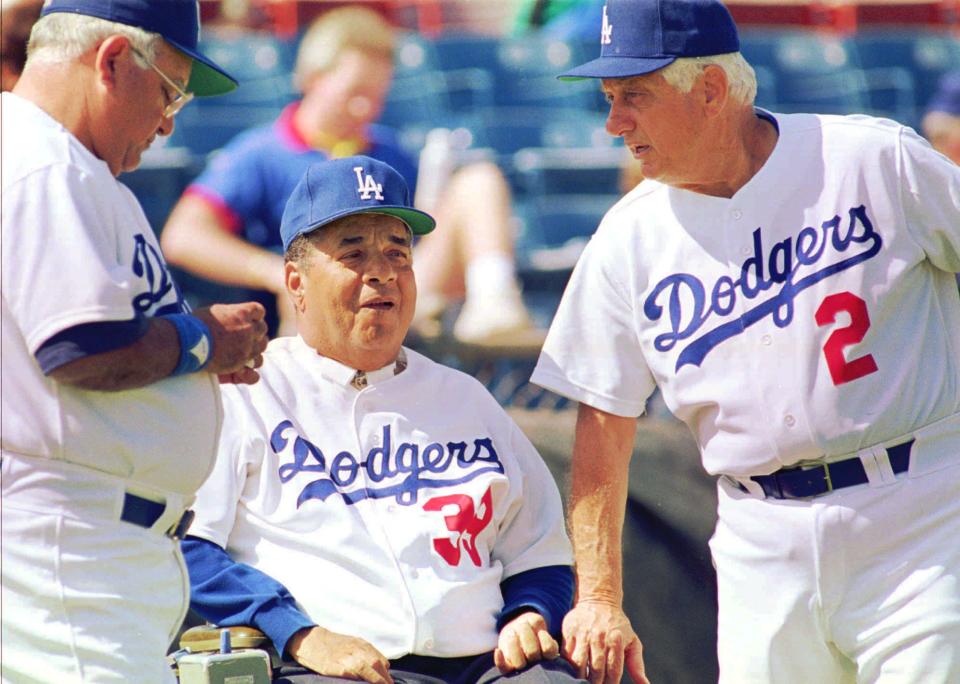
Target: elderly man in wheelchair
(374, 515)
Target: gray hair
(62, 36)
(683, 73)
(298, 250)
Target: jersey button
(766, 340)
(428, 643)
(789, 421)
(737, 214)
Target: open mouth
(379, 305)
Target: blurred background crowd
(462, 97)
(473, 82)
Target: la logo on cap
(366, 185)
(606, 31)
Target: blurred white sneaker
(498, 321)
(428, 319)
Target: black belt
(809, 481)
(144, 512)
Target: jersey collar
(362, 379)
(291, 137)
(288, 132)
(343, 375)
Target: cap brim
(206, 78)
(420, 222)
(616, 67)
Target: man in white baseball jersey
(110, 399)
(376, 514)
(787, 282)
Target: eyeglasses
(182, 97)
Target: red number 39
(842, 370)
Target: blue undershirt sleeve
(228, 593)
(88, 339)
(547, 590)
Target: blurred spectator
(235, 12)
(226, 226)
(238, 16)
(941, 124)
(16, 19)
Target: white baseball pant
(860, 585)
(85, 596)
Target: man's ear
(715, 88)
(293, 277)
(107, 58)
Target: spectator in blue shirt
(226, 226)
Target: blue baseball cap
(640, 36)
(947, 97)
(178, 21)
(332, 189)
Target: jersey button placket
(746, 249)
(385, 514)
(755, 347)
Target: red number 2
(842, 370)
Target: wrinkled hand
(239, 338)
(338, 655)
(524, 641)
(598, 640)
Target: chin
(130, 163)
(378, 340)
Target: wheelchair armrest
(206, 638)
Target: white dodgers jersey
(76, 249)
(391, 507)
(814, 313)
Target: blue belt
(144, 513)
(806, 481)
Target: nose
(617, 123)
(380, 269)
(166, 125)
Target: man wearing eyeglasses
(110, 396)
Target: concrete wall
(670, 586)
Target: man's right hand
(598, 640)
(338, 655)
(239, 338)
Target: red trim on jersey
(291, 137)
(228, 218)
(288, 132)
